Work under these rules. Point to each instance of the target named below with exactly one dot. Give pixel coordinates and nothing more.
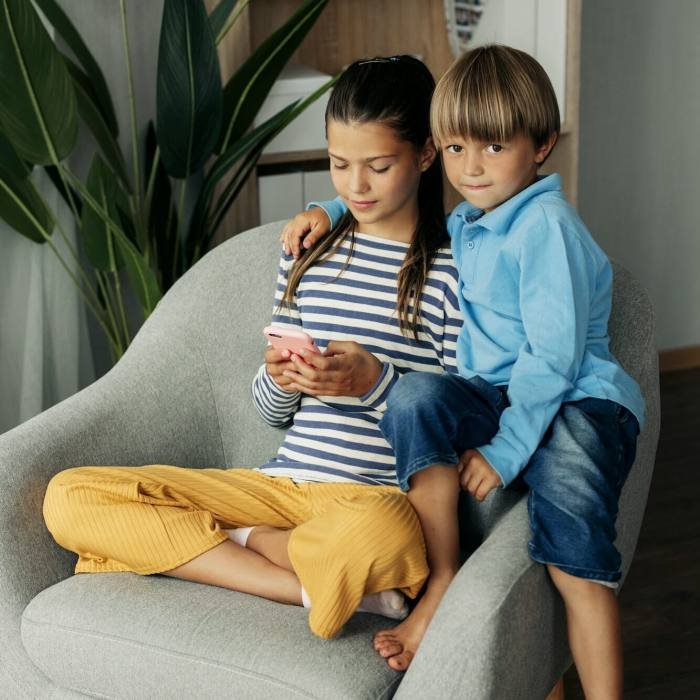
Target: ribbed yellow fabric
(348, 539)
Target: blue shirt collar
(499, 219)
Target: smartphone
(291, 339)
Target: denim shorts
(574, 478)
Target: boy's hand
(276, 362)
(309, 225)
(345, 369)
(476, 475)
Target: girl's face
(377, 174)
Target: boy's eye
(454, 148)
(494, 148)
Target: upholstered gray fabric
(128, 636)
(181, 395)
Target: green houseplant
(133, 227)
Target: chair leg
(557, 692)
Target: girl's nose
(358, 181)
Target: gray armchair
(181, 395)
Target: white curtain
(44, 346)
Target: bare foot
(400, 644)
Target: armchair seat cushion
(124, 635)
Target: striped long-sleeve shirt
(337, 439)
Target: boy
(539, 400)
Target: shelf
(293, 157)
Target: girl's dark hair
(395, 91)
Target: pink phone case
(289, 339)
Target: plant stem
(109, 301)
(178, 230)
(152, 180)
(132, 106)
(231, 21)
(94, 307)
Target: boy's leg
(575, 479)
(595, 638)
(430, 421)
(169, 520)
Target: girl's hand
(276, 362)
(476, 475)
(309, 225)
(345, 369)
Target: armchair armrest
(500, 630)
(136, 414)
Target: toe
(385, 641)
(390, 650)
(400, 662)
(384, 634)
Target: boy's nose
(471, 165)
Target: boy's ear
(543, 151)
(428, 154)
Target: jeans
(574, 478)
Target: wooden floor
(660, 602)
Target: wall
(639, 179)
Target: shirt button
(470, 245)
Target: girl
(323, 523)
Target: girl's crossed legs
(172, 520)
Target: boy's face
(487, 174)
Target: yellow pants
(348, 540)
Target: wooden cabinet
(351, 29)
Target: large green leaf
(189, 88)
(247, 149)
(68, 194)
(96, 80)
(10, 162)
(23, 209)
(94, 119)
(162, 217)
(219, 17)
(223, 164)
(37, 102)
(249, 86)
(98, 239)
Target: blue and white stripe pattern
(337, 439)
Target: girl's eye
(380, 170)
(454, 148)
(494, 148)
(340, 166)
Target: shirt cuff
(503, 458)
(376, 397)
(276, 390)
(334, 208)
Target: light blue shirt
(536, 293)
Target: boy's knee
(415, 389)
(576, 587)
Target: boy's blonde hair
(493, 93)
